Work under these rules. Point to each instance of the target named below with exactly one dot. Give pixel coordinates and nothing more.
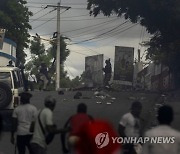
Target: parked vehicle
(11, 85)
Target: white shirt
(131, 124)
(162, 148)
(25, 114)
(32, 78)
(46, 117)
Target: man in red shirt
(88, 136)
(75, 123)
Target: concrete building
(8, 52)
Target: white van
(11, 85)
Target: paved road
(66, 106)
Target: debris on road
(132, 98)
(78, 95)
(61, 92)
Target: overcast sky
(103, 33)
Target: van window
(6, 78)
(16, 80)
(17, 77)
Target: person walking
(44, 75)
(23, 116)
(31, 81)
(165, 118)
(75, 122)
(129, 126)
(44, 125)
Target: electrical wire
(89, 26)
(43, 15)
(79, 53)
(56, 3)
(45, 19)
(120, 32)
(90, 32)
(48, 20)
(38, 11)
(99, 34)
(106, 43)
(115, 40)
(42, 23)
(69, 70)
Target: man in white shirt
(129, 126)
(45, 116)
(31, 81)
(165, 117)
(23, 116)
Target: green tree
(76, 82)
(14, 17)
(39, 54)
(161, 19)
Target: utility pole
(58, 44)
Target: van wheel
(5, 95)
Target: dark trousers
(37, 149)
(23, 141)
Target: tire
(5, 95)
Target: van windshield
(17, 77)
(6, 78)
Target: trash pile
(103, 96)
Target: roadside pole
(58, 43)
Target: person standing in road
(23, 116)
(165, 117)
(44, 125)
(31, 81)
(44, 75)
(108, 71)
(129, 126)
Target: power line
(56, 3)
(76, 16)
(45, 19)
(79, 53)
(90, 32)
(100, 34)
(88, 26)
(29, 6)
(65, 17)
(69, 70)
(43, 15)
(79, 29)
(42, 23)
(118, 32)
(108, 43)
(38, 11)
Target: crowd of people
(36, 129)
